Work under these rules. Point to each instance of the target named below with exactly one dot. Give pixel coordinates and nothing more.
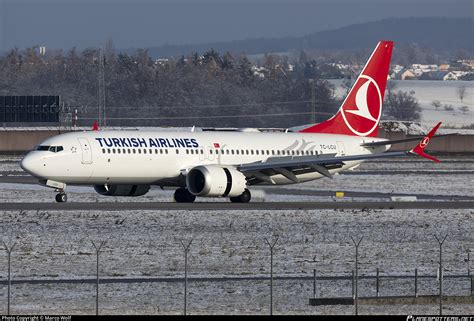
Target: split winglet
(420, 148)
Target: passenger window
(103, 150)
(113, 151)
(118, 150)
(139, 151)
(166, 151)
(177, 151)
(251, 152)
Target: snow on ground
(245, 297)
(55, 244)
(428, 91)
(146, 244)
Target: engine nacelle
(122, 190)
(215, 180)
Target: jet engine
(122, 190)
(215, 180)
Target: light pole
(272, 246)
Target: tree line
(209, 90)
(192, 90)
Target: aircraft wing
(291, 166)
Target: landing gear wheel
(182, 195)
(61, 198)
(243, 198)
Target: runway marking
(121, 206)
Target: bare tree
(436, 104)
(461, 91)
(402, 106)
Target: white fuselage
(161, 158)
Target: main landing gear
(182, 195)
(61, 197)
(243, 198)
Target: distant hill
(439, 34)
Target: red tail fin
(360, 112)
(95, 126)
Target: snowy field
(145, 244)
(428, 91)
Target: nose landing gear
(61, 197)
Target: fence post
(472, 284)
(314, 283)
(9, 250)
(440, 242)
(353, 284)
(272, 246)
(416, 282)
(356, 243)
(377, 282)
(186, 250)
(97, 248)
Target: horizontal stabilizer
(400, 141)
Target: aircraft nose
(31, 164)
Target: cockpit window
(54, 149)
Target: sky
(144, 23)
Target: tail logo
(366, 104)
(424, 142)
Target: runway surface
(120, 206)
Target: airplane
(224, 163)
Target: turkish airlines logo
(362, 111)
(424, 142)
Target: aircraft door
(86, 150)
